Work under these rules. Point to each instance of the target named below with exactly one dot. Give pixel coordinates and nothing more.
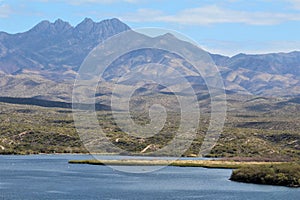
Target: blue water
(45, 177)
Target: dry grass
(177, 163)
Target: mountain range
(38, 69)
(43, 62)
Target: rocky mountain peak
(55, 48)
(42, 26)
(86, 24)
(96, 30)
(61, 25)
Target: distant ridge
(50, 53)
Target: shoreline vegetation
(175, 163)
(268, 173)
(256, 130)
(286, 174)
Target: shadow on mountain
(47, 103)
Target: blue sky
(220, 26)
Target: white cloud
(5, 11)
(212, 15)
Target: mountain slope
(53, 52)
(276, 74)
(38, 67)
(54, 46)
(273, 63)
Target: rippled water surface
(51, 177)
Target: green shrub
(282, 174)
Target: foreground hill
(256, 128)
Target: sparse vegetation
(176, 163)
(254, 135)
(270, 173)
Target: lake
(44, 177)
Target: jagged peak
(116, 21)
(113, 20)
(59, 25)
(86, 23)
(87, 19)
(90, 21)
(41, 26)
(60, 21)
(42, 23)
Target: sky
(226, 27)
